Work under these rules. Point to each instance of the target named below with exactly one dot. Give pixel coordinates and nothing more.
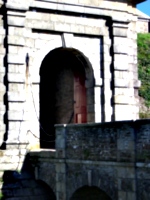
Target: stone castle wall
(105, 32)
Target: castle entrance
(63, 96)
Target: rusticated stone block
(16, 69)
(121, 83)
(16, 78)
(117, 31)
(16, 21)
(122, 99)
(2, 77)
(120, 42)
(34, 15)
(1, 39)
(16, 40)
(16, 96)
(121, 62)
(16, 87)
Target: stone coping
(43, 153)
(139, 121)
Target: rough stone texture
(2, 78)
(99, 155)
(99, 142)
(111, 145)
(101, 35)
(143, 23)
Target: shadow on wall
(23, 186)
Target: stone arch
(89, 193)
(56, 90)
(93, 78)
(46, 191)
(24, 186)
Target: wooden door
(80, 109)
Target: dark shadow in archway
(89, 193)
(24, 186)
(57, 91)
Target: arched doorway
(89, 193)
(63, 96)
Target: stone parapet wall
(119, 149)
(126, 141)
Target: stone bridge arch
(93, 175)
(25, 186)
(89, 193)
(82, 188)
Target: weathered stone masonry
(111, 156)
(107, 39)
(100, 36)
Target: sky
(144, 7)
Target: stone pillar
(107, 77)
(133, 67)
(17, 126)
(126, 156)
(2, 75)
(126, 183)
(60, 164)
(123, 93)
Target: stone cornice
(125, 15)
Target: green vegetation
(144, 115)
(143, 42)
(1, 196)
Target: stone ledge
(99, 10)
(20, 5)
(90, 162)
(43, 154)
